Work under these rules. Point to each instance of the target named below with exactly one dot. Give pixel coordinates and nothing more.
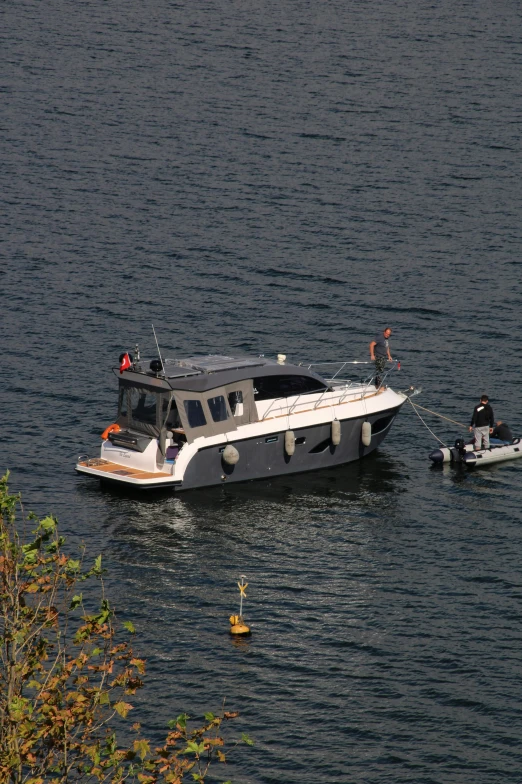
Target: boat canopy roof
(199, 374)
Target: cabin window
(195, 414)
(218, 408)
(267, 387)
(235, 401)
(143, 406)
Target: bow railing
(340, 390)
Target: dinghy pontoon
(465, 453)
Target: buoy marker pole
(242, 593)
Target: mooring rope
(416, 405)
(424, 423)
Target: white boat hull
(261, 445)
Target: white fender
(230, 454)
(336, 432)
(289, 443)
(366, 434)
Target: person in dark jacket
(380, 353)
(502, 432)
(482, 422)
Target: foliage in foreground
(64, 675)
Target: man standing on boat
(380, 353)
(482, 422)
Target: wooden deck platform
(99, 464)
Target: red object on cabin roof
(125, 363)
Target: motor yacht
(211, 420)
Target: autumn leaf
(214, 742)
(142, 748)
(122, 708)
(139, 664)
(32, 588)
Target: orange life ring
(111, 429)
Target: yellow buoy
(237, 625)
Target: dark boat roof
(213, 370)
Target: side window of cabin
(218, 408)
(267, 387)
(143, 406)
(235, 401)
(195, 413)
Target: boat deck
(118, 470)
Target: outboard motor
(460, 446)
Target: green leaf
(72, 566)
(97, 565)
(129, 626)
(122, 708)
(104, 698)
(209, 716)
(105, 612)
(182, 720)
(142, 748)
(246, 739)
(53, 547)
(75, 601)
(48, 524)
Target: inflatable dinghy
(465, 453)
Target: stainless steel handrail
(348, 387)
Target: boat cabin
(201, 396)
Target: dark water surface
(267, 177)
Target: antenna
(157, 346)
